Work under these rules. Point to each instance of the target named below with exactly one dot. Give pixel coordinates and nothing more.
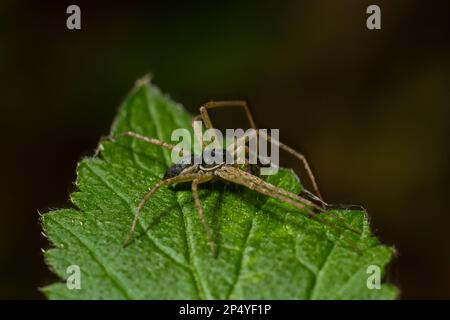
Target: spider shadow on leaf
(219, 187)
(155, 221)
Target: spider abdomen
(180, 166)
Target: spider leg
(315, 206)
(231, 103)
(312, 196)
(257, 184)
(197, 118)
(199, 206)
(236, 147)
(149, 194)
(304, 201)
(243, 104)
(147, 139)
(204, 115)
(300, 157)
(198, 135)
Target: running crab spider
(201, 169)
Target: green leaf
(266, 249)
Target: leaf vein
(194, 272)
(161, 248)
(320, 271)
(241, 259)
(116, 282)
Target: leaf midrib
(191, 267)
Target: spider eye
(214, 157)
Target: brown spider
(198, 170)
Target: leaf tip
(144, 81)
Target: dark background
(370, 109)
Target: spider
(198, 170)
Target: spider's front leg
(140, 137)
(257, 184)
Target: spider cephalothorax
(208, 161)
(215, 164)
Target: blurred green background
(370, 109)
